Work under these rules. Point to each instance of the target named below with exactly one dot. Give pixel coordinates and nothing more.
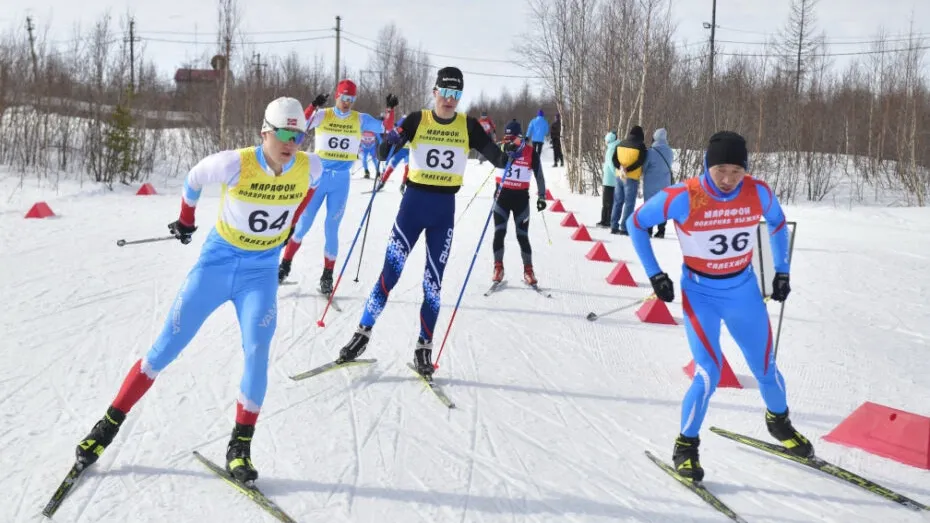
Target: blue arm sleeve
(671, 203)
(370, 123)
(778, 227)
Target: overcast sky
(473, 29)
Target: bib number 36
(442, 159)
(258, 221)
(722, 243)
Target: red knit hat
(346, 87)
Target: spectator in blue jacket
(657, 171)
(537, 131)
(610, 179)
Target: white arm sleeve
(221, 167)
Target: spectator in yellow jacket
(629, 160)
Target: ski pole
(593, 316)
(488, 177)
(473, 259)
(546, 227)
(349, 254)
(365, 236)
(121, 243)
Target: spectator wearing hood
(629, 160)
(657, 171)
(537, 130)
(610, 179)
(555, 137)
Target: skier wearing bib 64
(337, 140)
(439, 143)
(514, 198)
(716, 215)
(261, 188)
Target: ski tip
(591, 316)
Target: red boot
(498, 271)
(528, 276)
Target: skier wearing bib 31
(261, 187)
(716, 215)
(514, 198)
(338, 137)
(439, 143)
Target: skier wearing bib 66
(716, 215)
(439, 143)
(514, 198)
(261, 189)
(337, 140)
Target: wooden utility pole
(32, 49)
(713, 32)
(132, 54)
(228, 50)
(258, 64)
(338, 34)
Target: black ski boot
(356, 345)
(686, 460)
(367, 174)
(239, 455)
(422, 358)
(780, 428)
(326, 282)
(92, 446)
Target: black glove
(181, 232)
(540, 204)
(663, 287)
(320, 100)
(392, 101)
(780, 286)
(510, 147)
(284, 270)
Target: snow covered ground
(554, 412)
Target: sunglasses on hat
(287, 135)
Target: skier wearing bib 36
(261, 187)
(338, 136)
(514, 198)
(439, 143)
(716, 215)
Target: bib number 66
(258, 221)
(337, 143)
(722, 244)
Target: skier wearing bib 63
(261, 188)
(716, 215)
(439, 143)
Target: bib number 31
(258, 221)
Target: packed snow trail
(553, 412)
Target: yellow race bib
(438, 152)
(256, 213)
(338, 138)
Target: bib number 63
(739, 242)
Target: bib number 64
(722, 244)
(258, 221)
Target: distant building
(186, 79)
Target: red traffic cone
(569, 221)
(887, 432)
(549, 195)
(146, 190)
(727, 376)
(598, 253)
(654, 310)
(581, 234)
(621, 276)
(557, 207)
(39, 210)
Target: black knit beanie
(727, 147)
(451, 78)
(637, 133)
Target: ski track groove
(353, 418)
(474, 442)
